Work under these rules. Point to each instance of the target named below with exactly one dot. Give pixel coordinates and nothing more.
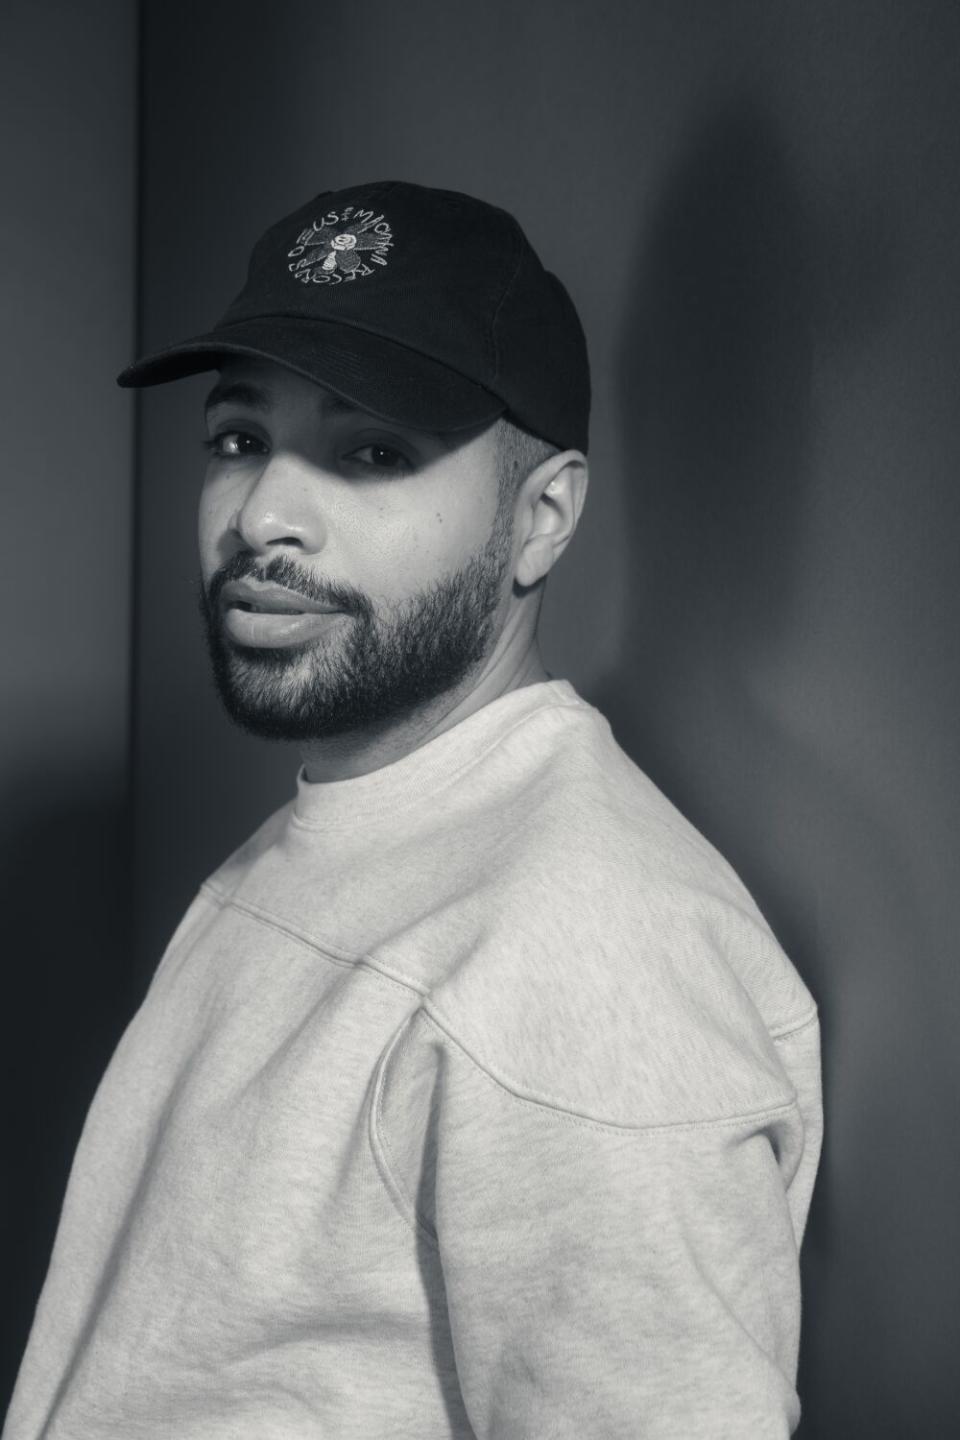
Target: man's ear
(550, 503)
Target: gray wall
(755, 207)
(67, 263)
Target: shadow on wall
(715, 367)
(716, 361)
(67, 982)
(734, 273)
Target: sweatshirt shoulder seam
(516, 1089)
(548, 1104)
(788, 1031)
(405, 1203)
(335, 954)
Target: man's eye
(380, 457)
(234, 445)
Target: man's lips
(264, 616)
(254, 595)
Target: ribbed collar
(421, 773)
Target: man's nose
(282, 507)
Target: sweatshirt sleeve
(600, 1280)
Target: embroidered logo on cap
(344, 245)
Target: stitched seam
(379, 1144)
(404, 1203)
(549, 1104)
(416, 797)
(434, 1015)
(343, 958)
(804, 1024)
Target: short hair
(518, 453)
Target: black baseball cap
(425, 307)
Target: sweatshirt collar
(419, 774)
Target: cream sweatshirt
(471, 1097)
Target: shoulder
(621, 970)
(230, 874)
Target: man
(472, 1095)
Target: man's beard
(373, 668)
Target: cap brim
(380, 376)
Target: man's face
(393, 540)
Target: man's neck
(344, 757)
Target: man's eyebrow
(237, 392)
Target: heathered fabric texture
(472, 1097)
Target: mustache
(281, 570)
